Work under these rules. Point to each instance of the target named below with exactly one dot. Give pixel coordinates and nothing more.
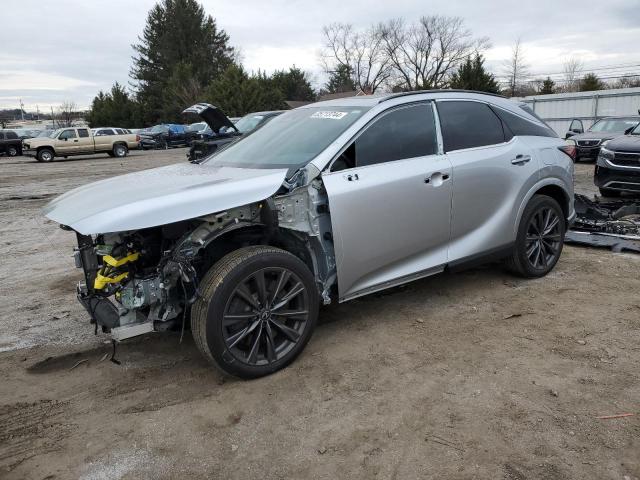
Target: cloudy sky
(69, 50)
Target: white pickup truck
(66, 142)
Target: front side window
(83, 132)
(66, 134)
(468, 124)
(406, 132)
(290, 140)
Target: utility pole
(21, 109)
(53, 121)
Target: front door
(67, 142)
(390, 201)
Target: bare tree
(516, 68)
(362, 53)
(67, 113)
(425, 54)
(572, 68)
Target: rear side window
(11, 135)
(120, 131)
(83, 132)
(468, 125)
(406, 132)
(521, 126)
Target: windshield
(159, 129)
(197, 127)
(290, 140)
(636, 131)
(613, 125)
(56, 133)
(249, 122)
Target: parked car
(332, 200)
(66, 142)
(618, 165)
(588, 142)
(44, 133)
(25, 133)
(164, 136)
(223, 130)
(10, 143)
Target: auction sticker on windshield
(329, 114)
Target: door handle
(75, 141)
(437, 178)
(351, 177)
(521, 159)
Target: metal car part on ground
(327, 202)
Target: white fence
(559, 109)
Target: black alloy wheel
(544, 237)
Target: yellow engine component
(109, 260)
(107, 276)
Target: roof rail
(442, 90)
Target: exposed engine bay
(146, 280)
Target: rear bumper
(616, 179)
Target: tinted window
(67, 134)
(468, 124)
(120, 131)
(104, 132)
(11, 135)
(1, 136)
(407, 132)
(83, 133)
(521, 126)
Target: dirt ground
(471, 375)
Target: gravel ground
(459, 376)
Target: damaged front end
(131, 286)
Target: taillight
(569, 149)
(137, 138)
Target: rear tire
(120, 150)
(249, 320)
(12, 151)
(606, 192)
(540, 238)
(45, 155)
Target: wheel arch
(552, 187)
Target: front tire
(45, 155)
(540, 238)
(258, 310)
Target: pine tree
(114, 109)
(548, 86)
(237, 93)
(178, 32)
(293, 84)
(471, 75)
(591, 82)
(340, 80)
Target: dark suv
(618, 165)
(10, 143)
(588, 142)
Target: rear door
(85, 141)
(2, 143)
(390, 198)
(492, 172)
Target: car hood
(38, 142)
(161, 196)
(596, 136)
(625, 143)
(211, 115)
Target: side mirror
(64, 138)
(577, 130)
(569, 134)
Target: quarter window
(520, 126)
(406, 132)
(468, 124)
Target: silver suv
(333, 200)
